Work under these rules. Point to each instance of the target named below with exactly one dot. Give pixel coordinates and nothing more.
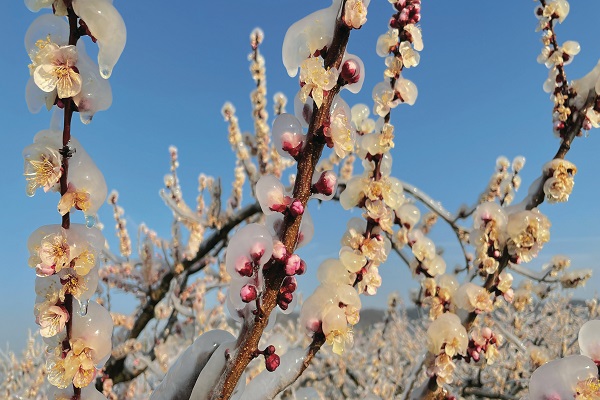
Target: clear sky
(480, 96)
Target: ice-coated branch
(252, 330)
(535, 195)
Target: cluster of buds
(409, 12)
(505, 181)
(249, 250)
(483, 342)
(272, 360)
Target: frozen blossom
(316, 80)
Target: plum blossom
(55, 69)
(355, 13)
(560, 184)
(42, 167)
(387, 41)
(73, 198)
(384, 99)
(316, 80)
(371, 280)
(54, 254)
(52, 318)
(410, 57)
(527, 231)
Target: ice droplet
(83, 307)
(90, 221)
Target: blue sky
(480, 96)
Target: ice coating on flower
(324, 185)
(527, 231)
(448, 332)
(54, 69)
(558, 379)
(353, 72)
(560, 182)
(107, 26)
(589, 340)
(387, 41)
(355, 13)
(254, 242)
(434, 266)
(340, 134)
(307, 230)
(489, 211)
(37, 99)
(423, 249)
(306, 36)
(353, 260)
(360, 118)
(274, 223)
(303, 110)
(316, 80)
(384, 99)
(409, 215)
(46, 28)
(332, 271)
(288, 136)
(271, 196)
(51, 318)
(87, 187)
(96, 93)
(95, 330)
(351, 196)
(407, 91)
(42, 167)
(472, 298)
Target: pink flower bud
(269, 350)
(244, 266)
(292, 143)
(301, 268)
(272, 362)
(474, 355)
(248, 293)
(279, 251)
(509, 295)
(292, 264)
(286, 297)
(289, 284)
(257, 251)
(326, 183)
(350, 71)
(313, 325)
(486, 333)
(296, 208)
